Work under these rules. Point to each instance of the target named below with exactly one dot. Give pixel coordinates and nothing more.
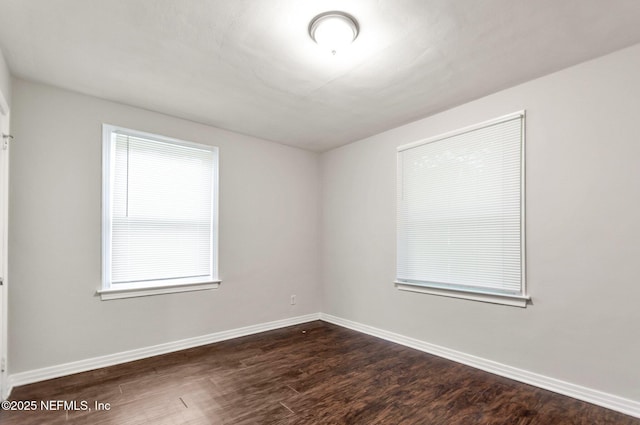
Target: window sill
(511, 300)
(114, 294)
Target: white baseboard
(43, 374)
(610, 401)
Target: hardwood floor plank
(310, 374)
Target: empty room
(417, 212)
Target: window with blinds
(460, 228)
(160, 208)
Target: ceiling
(250, 66)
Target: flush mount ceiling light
(333, 30)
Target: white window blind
(161, 211)
(460, 210)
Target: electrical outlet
(293, 299)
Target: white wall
(269, 223)
(583, 227)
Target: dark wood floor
(314, 373)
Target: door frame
(4, 228)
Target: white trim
(4, 266)
(508, 117)
(4, 105)
(610, 401)
(107, 170)
(523, 206)
(115, 294)
(57, 371)
(494, 298)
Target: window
(159, 214)
(461, 213)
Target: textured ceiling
(250, 67)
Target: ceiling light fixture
(334, 30)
